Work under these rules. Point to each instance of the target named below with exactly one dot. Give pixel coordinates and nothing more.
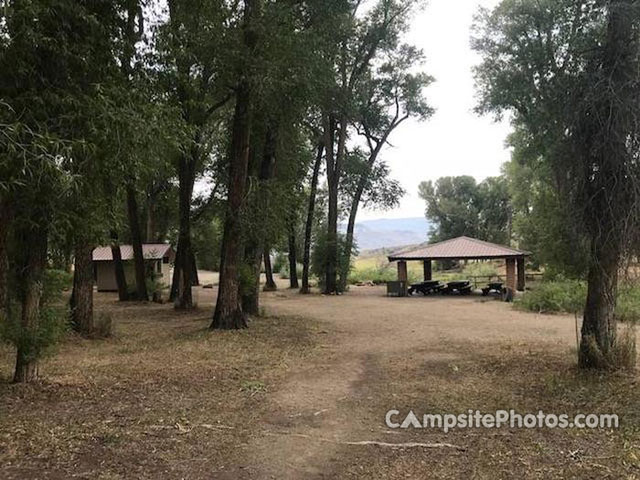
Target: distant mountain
(390, 232)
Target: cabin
(158, 258)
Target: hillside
(391, 232)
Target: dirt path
(325, 404)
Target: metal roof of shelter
(150, 251)
(459, 249)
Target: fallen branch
(374, 443)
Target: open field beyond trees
(294, 395)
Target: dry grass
(163, 398)
(291, 398)
(525, 378)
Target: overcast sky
(455, 141)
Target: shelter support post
(511, 273)
(403, 275)
(427, 270)
(521, 274)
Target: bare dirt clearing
(293, 396)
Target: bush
(52, 325)
(320, 252)
(566, 296)
(284, 271)
(54, 283)
(569, 296)
(52, 321)
(280, 262)
(628, 307)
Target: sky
(454, 141)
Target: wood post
(427, 270)
(403, 275)
(511, 273)
(521, 274)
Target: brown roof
(150, 251)
(458, 248)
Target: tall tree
(313, 187)
(195, 53)
(228, 312)
(568, 72)
(364, 40)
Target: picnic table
(426, 287)
(492, 287)
(463, 287)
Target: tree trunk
(175, 277)
(81, 302)
(306, 257)
(228, 313)
(195, 279)
(333, 180)
(607, 150)
(599, 325)
(136, 243)
(270, 284)
(34, 244)
(121, 279)
(184, 257)
(293, 262)
(151, 221)
(253, 250)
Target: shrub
(284, 271)
(566, 296)
(628, 306)
(280, 262)
(569, 296)
(52, 322)
(319, 256)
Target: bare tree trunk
(195, 279)
(599, 325)
(184, 261)
(136, 243)
(253, 250)
(121, 279)
(293, 262)
(270, 284)
(151, 222)
(333, 180)
(81, 302)
(228, 313)
(306, 257)
(34, 245)
(175, 277)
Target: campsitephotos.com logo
(499, 419)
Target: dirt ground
(303, 394)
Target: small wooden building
(465, 248)
(158, 258)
